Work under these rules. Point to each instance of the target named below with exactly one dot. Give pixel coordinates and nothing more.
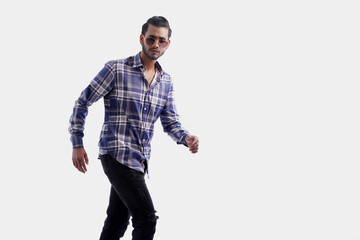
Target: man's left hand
(193, 143)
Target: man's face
(155, 42)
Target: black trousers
(129, 196)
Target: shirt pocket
(157, 105)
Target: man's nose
(156, 43)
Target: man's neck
(148, 63)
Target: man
(136, 93)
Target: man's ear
(141, 39)
(168, 45)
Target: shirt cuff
(182, 140)
(77, 141)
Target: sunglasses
(151, 40)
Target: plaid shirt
(131, 108)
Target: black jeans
(129, 196)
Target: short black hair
(157, 21)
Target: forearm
(97, 88)
(174, 129)
(77, 124)
(170, 120)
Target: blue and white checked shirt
(131, 108)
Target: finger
(194, 146)
(80, 165)
(194, 141)
(86, 159)
(75, 164)
(194, 150)
(83, 166)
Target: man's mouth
(154, 50)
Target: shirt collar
(137, 63)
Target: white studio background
(270, 87)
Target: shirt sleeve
(98, 87)
(170, 120)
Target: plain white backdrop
(270, 87)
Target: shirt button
(144, 109)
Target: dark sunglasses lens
(150, 41)
(163, 43)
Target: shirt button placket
(145, 108)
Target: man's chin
(154, 56)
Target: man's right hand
(80, 159)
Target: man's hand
(80, 159)
(193, 143)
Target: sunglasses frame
(161, 41)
